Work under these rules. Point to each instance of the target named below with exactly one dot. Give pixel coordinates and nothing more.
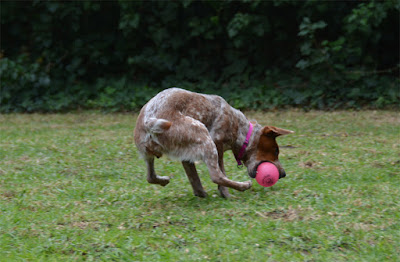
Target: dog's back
(177, 122)
(174, 103)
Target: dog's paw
(201, 194)
(224, 191)
(163, 180)
(247, 185)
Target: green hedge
(257, 54)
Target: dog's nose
(282, 174)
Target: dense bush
(257, 54)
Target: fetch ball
(267, 174)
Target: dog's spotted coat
(189, 126)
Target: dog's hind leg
(152, 178)
(194, 179)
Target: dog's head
(265, 149)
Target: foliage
(73, 188)
(24, 84)
(295, 53)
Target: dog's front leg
(222, 189)
(194, 179)
(218, 177)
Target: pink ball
(267, 174)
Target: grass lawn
(72, 187)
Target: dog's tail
(157, 125)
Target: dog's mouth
(253, 173)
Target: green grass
(72, 187)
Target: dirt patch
(80, 224)
(309, 164)
(290, 214)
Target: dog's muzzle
(282, 174)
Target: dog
(191, 126)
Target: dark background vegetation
(115, 55)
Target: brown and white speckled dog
(189, 126)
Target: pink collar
(244, 146)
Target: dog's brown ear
(275, 131)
